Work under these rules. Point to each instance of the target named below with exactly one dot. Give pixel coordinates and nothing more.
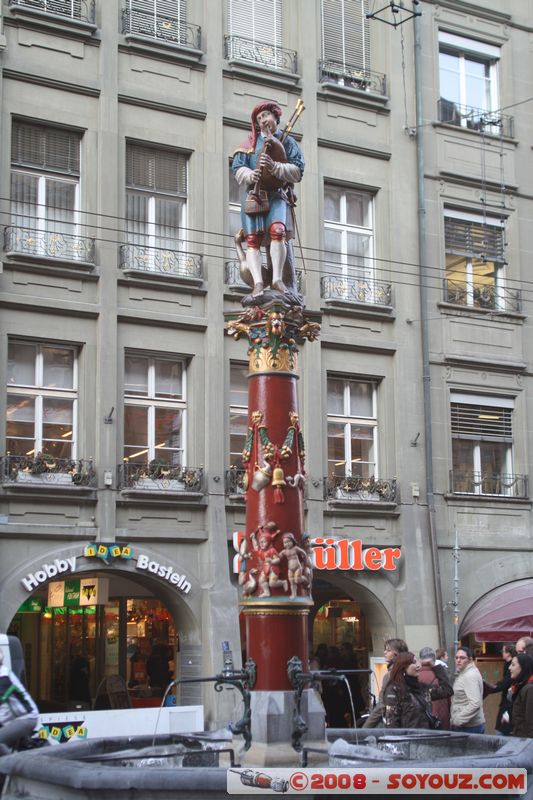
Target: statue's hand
(267, 162)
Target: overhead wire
(320, 255)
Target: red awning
(503, 615)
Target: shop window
(154, 410)
(156, 213)
(345, 42)
(352, 428)
(468, 82)
(41, 402)
(482, 446)
(475, 263)
(45, 194)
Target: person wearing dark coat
(391, 649)
(432, 675)
(407, 702)
(503, 718)
(521, 670)
(159, 674)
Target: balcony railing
(476, 119)
(350, 75)
(160, 260)
(234, 481)
(155, 476)
(494, 298)
(45, 470)
(356, 290)
(260, 53)
(232, 276)
(167, 27)
(60, 246)
(74, 9)
(356, 489)
(486, 483)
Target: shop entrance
(69, 650)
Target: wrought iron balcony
(350, 75)
(46, 470)
(487, 483)
(74, 9)
(47, 244)
(234, 481)
(156, 477)
(167, 27)
(488, 296)
(160, 260)
(355, 290)
(476, 119)
(262, 54)
(232, 276)
(355, 489)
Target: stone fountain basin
(123, 767)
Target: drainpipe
(426, 375)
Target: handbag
(434, 722)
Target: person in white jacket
(18, 712)
(466, 712)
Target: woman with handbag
(407, 702)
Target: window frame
(349, 420)
(150, 402)
(464, 50)
(241, 410)
(40, 392)
(470, 258)
(465, 400)
(343, 268)
(345, 27)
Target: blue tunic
(259, 223)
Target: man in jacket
(391, 650)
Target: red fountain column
(276, 569)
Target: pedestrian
(349, 662)
(322, 655)
(266, 218)
(521, 671)
(159, 674)
(503, 717)
(406, 699)
(391, 650)
(434, 674)
(525, 645)
(441, 657)
(18, 712)
(466, 712)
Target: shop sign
(84, 592)
(31, 604)
(179, 581)
(105, 551)
(329, 553)
(59, 565)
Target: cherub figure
(296, 561)
(269, 560)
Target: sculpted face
(288, 541)
(263, 542)
(266, 122)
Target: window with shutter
(156, 204)
(345, 39)
(158, 19)
(482, 444)
(255, 31)
(474, 262)
(45, 178)
(75, 9)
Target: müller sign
(62, 566)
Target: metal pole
(456, 593)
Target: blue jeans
(469, 729)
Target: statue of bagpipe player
(266, 166)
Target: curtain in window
(345, 33)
